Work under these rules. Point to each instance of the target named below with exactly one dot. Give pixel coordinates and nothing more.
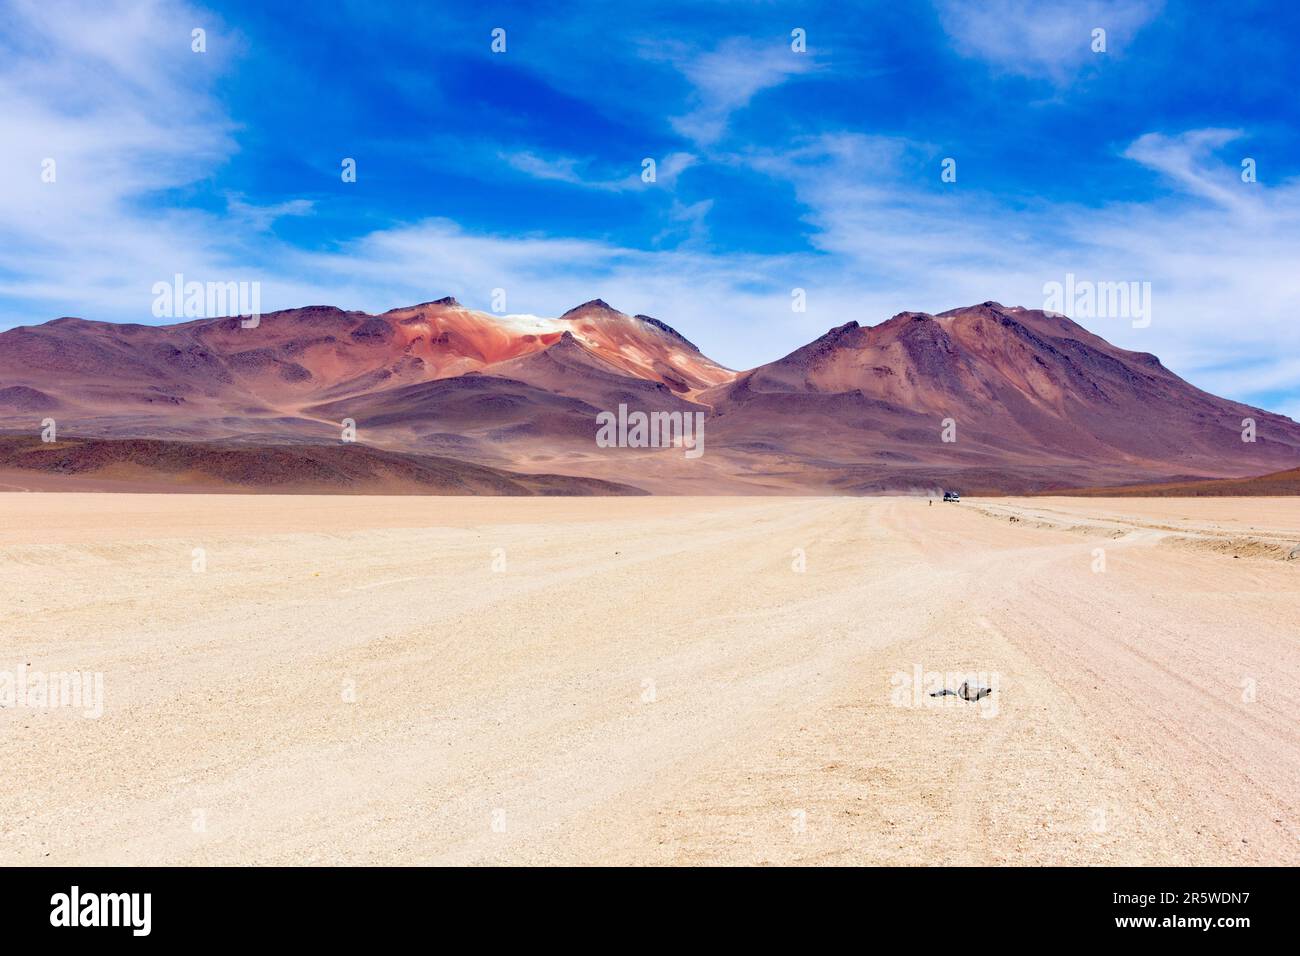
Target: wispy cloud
(261, 217)
(1184, 159)
(575, 172)
(726, 78)
(688, 226)
(1048, 39)
(112, 95)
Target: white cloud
(261, 217)
(726, 78)
(1183, 159)
(1048, 39)
(567, 169)
(114, 95)
(687, 224)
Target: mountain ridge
(1033, 396)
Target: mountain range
(984, 398)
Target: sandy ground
(349, 680)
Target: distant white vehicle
(951, 496)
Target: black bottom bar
(957, 906)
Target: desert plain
(425, 680)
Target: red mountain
(1037, 401)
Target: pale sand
(1121, 735)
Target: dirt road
(426, 680)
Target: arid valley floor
(484, 680)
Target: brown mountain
(1037, 401)
(213, 377)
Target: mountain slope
(1278, 484)
(1029, 392)
(320, 469)
(570, 368)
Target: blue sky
(776, 169)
